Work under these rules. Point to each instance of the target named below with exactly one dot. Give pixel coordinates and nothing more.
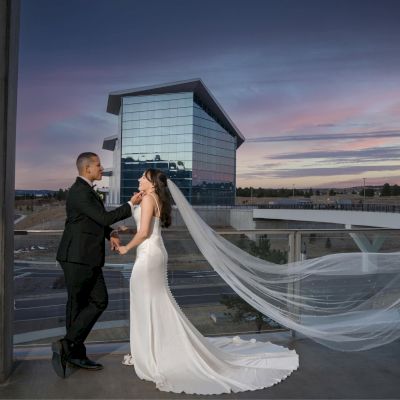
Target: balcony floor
(323, 373)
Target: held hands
(115, 242)
(122, 250)
(137, 198)
(116, 246)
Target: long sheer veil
(348, 301)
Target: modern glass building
(180, 129)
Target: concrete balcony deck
(323, 374)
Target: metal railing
(386, 208)
(370, 207)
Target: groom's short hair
(84, 159)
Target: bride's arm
(144, 232)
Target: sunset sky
(314, 86)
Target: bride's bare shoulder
(148, 199)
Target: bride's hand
(122, 250)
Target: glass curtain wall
(174, 133)
(214, 158)
(157, 132)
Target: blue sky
(314, 86)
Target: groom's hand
(136, 198)
(114, 243)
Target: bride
(165, 347)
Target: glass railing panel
(203, 295)
(39, 289)
(267, 245)
(381, 289)
(40, 293)
(319, 243)
(196, 287)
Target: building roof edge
(196, 86)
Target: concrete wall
(9, 21)
(212, 216)
(216, 217)
(242, 219)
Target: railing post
(297, 246)
(292, 247)
(295, 255)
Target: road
(45, 308)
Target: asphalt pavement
(45, 307)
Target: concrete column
(370, 263)
(9, 27)
(292, 247)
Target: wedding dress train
(168, 350)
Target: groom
(81, 255)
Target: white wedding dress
(168, 350)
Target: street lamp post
(364, 189)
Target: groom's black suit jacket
(87, 226)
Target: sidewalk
(323, 374)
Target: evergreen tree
(386, 191)
(395, 190)
(369, 192)
(263, 250)
(61, 194)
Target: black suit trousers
(87, 299)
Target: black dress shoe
(85, 363)
(58, 360)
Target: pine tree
(386, 190)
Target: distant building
(180, 129)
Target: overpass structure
(347, 218)
(243, 219)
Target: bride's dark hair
(159, 181)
